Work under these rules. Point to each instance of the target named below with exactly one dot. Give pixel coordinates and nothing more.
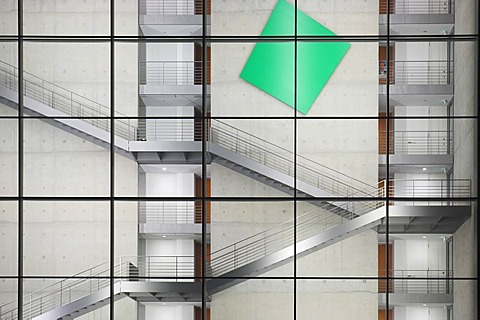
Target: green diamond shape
(270, 65)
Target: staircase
(229, 146)
(275, 166)
(43, 98)
(330, 223)
(151, 279)
(90, 289)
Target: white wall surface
(420, 124)
(419, 313)
(420, 51)
(169, 247)
(170, 51)
(170, 184)
(170, 312)
(419, 254)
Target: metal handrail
(172, 72)
(169, 129)
(311, 223)
(433, 72)
(170, 7)
(431, 188)
(235, 255)
(66, 101)
(420, 7)
(273, 239)
(171, 268)
(417, 142)
(169, 212)
(281, 159)
(416, 281)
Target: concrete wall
(64, 238)
(465, 239)
(352, 90)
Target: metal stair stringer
(83, 305)
(77, 127)
(281, 257)
(274, 178)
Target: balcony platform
(411, 299)
(427, 218)
(151, 230)
(419, 24)
(415, 95)
(173, 152)
(173, 25)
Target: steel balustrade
(170, 7)
(429, 72)
(235, 255)
(281, 236)
(418, 281)
(66, 101)
(278, 237)
(172, 73)
(162, 268)
(170, 129)
(418, 142)
(281, 159)
(420, 7)
(169, 212)
(259, 245)
(444, 192)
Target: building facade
(181, 159)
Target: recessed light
(424, 305)
(424, 237)
(164, 169)
(164, 236)
(424, 169)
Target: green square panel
(270, 65)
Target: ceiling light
(164, 236)
(424, 169)
(424, 237)
(164, 169)
(424, 305)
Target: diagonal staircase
(228, 146)
(275, 166)
(151, 279)
(43, 98)
(90, 290)
(330, 223)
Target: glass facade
(189, 159)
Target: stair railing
(418, 281)
(96, 278)
(66, 101)
(279, 237)
(281, 159)
(60, 293)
